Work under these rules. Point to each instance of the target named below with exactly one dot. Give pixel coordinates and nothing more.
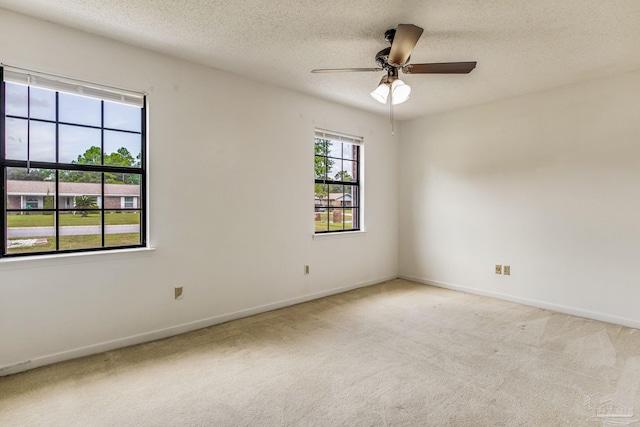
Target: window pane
(321, 147)
(80, 145)
(335, 166)
(16, 139)
(79, 110)
(349, 171)
(343, 197)
(321, 192)
(30, 229)
(30, 190)
(349, 151)
(351, 218)
(335, 219)
(15, 100)
(43, 104)
(321, 215)
(80, 191)
(117, 195)
(335, 195)
(350, 197)
(335, 149)
(122, 149)
(321, 167)
(122, 228)
(43, 142)
(321, 207)
(80, 229)
(121, 116)
(30, 232)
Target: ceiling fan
(395, 58)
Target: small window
(73, 160)
(337, 182)
(31, 203)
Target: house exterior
(334, 200)
(32, 194)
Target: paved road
(70, 230)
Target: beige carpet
(397, 353)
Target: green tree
(80, 176)
(21, 174)
(122, 157)
(343, 176)
(84, 203)
(93, 156)
(48, 203)
(323, 165)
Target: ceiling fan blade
(440, 68)
(404, 41)
(344, 70)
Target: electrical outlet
(498, 269)
(507, 270)
(178, 293)
(306, 269)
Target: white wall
(548, 183)
(231, 206)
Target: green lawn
(80, 242)
(323, 216)
(40, 220)
(322, 224)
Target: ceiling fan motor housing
(382, 57)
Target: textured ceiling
(521, 46)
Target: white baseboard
(574, 311)
(173, 330)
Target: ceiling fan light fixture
(381, 93)
(391, 85)
(400, 92)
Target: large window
(337, 182)
(73, 160)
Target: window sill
(345, 234)
(73, 258)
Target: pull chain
(391, 118)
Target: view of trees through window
(74, 171)
(337, 173)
